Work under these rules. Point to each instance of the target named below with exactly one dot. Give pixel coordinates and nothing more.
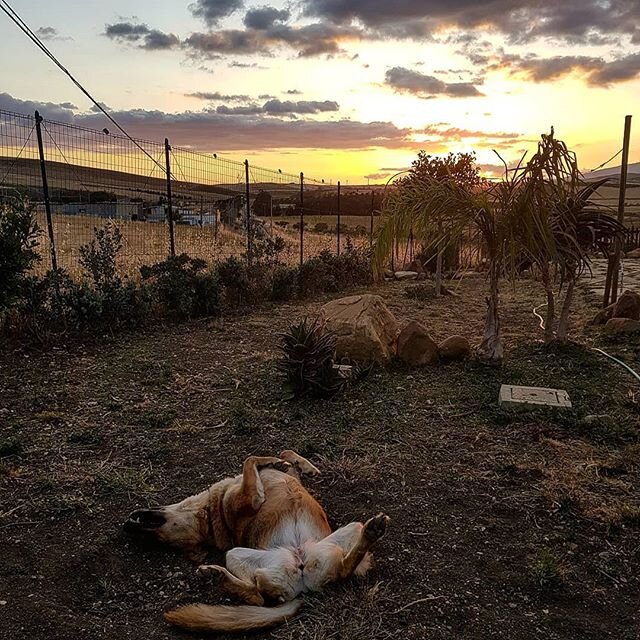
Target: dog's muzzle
(145, 521)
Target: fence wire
(210, 208)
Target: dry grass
(486, 506)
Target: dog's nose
(144, 520)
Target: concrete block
(512, 396)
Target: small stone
(415, 346)
(620, 326)
(627, 306)
(405, 275)
(454, 348)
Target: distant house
(233, 211)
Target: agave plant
(308, 361)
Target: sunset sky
(341, 89)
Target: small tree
(19, 233)
(98, 257)
(556, 225)
(460, 168)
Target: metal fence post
(371, 224)
(45, 189)
(301, 219)
(248, 209)
(338, 227)
(172, 243)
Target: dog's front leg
(242, 589)
(251, 494)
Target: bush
(55, 304)
(329, 273)
(18, 249)
(234, 278)
(284, 283)
(98, 257)
(184, 287)
(321, 227)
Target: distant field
(608, 196)
(146, 243)
(143, 242)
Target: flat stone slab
(512, 396)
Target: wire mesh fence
(166, 199)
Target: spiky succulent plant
(308, 358)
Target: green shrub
(321, 227)
(98, 257)
(234, 278)
(328, 273)
(18, 248)
(184, 287)
(284, 283)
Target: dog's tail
(202, 617)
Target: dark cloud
(236, 129)
(50, 33)
(520, 20)
(408, 81)
(216, 95)
(245, 110)
(301, 106)
(445, 132)
(142, 35)
(212, 11)
(619, 70)
(62, 112)
(377, 176)
(263, 18)
(596, 70)
(307, 40)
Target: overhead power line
(24, 27)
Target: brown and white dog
(277, 537)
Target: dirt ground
(504, 525)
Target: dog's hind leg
(370, 533)
(242, 589)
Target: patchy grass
(475, 494)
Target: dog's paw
(375, 527)
(301, 464)
(211, 571)
(281, 465)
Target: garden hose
(604, 353)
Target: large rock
(617, 326)
(415, 346)
(365, 328)
(454, 348)
(627, 306)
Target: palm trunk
(490, 350)
(550, 320)
(563, 323)
(439, 274)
